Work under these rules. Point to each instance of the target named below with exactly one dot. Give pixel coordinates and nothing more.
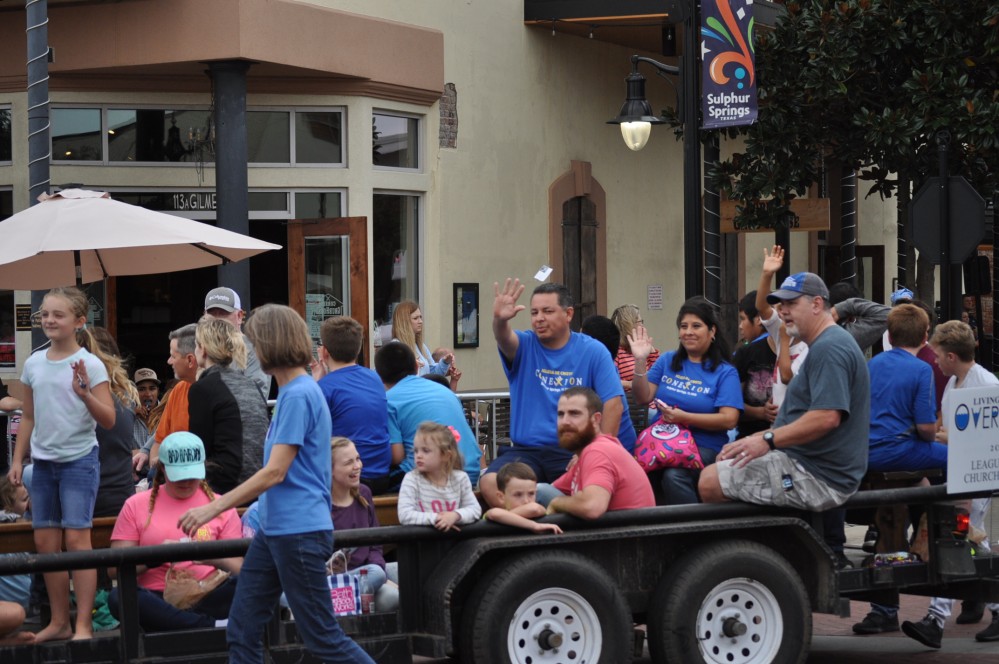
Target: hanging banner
(728, 71)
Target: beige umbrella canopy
(80, 236)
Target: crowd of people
(793, 418)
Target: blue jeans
(296, 564)
(63, 492)
(547, 461)
(907, 455)
(158, 615)
(680, 484)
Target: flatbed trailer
(715, 583)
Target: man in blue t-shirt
(356, 398)
(413, 400)
(541, 364)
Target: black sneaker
(926, 631)
(990, 633)
(870, 539)
(971, 612)
(876, 623)
(842, 562)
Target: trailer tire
(734, 602)
(542, 608)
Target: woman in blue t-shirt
(290, 550)
(694, 386)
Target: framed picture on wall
(466, 315)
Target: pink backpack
(665, 445)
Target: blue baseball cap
(183, 456)
(902, 294)
(803, 283)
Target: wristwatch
(768, 438)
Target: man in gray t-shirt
(816, 453)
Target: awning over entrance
(165, 45)
(638, 24)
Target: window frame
(292, 112)
(9, 109)
(420, 241)
(420, 140)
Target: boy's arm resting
(590, 503)
(529, 510)
(509, 518)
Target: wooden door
(328, 270)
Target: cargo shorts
(777, 479)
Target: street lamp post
(636, 120)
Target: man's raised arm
(505, 307)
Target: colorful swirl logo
(739, 49)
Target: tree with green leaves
(868, 84)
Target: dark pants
(296, 564)
(158, 615)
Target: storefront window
(6, 142)
(156, 135)
(318, 138)
(395, 141)
(396, 228)
(318, 205)
(268, 137)
(76, 134)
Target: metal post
(130, 645)
(848, 226)
(693, 239)
(712, 226)
(782, 236)
(950, 288)
(231, 182)
(902, 251)
(38, 120)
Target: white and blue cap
(902, 294)
(183, 456)
(803, 283)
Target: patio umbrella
(80, 236)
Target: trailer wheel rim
(736, 602)
(554, 625)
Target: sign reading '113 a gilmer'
(971, 418)
(728, 69)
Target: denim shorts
(63, 493)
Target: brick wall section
(449, 117)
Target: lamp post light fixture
(636, 120)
